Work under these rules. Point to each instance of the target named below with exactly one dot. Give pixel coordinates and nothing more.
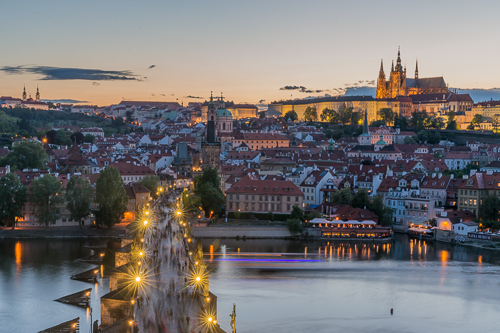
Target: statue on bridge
(233, 318)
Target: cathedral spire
(399, 68)
(381, 65)
(24, 93)
(416, 70)
(37, 96)
(392, 67)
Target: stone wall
(121, 258)
(113, 310)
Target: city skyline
(250, 52)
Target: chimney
(440, 175)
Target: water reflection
(351, 287)
(34, 272)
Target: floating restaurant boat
(421, 233)
(351, 230)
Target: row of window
(262, 198)
(265, 207)
(471, 202)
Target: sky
(103, 52)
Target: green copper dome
(223, 113)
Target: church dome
(224, 113)
(381, 141)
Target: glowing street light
(137, 279)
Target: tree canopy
(111, 197)
(13, 195)
(292, 115)
(26, 155)
(207, 188)
(79, 197)
(46, 194)
(490, 207)
(151, 183)
(310, 114)
(387, 115)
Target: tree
(361, 199)
(342, 196)
(46, 195)
(78, 137)
(356, 118)
(489, 208)
(111, 197)
(294, 226)
(292, 115)
(262, 114)
(207, 187)
(477, 120)
(51, 135)
(63, 138)
(495, 122)
(329, 115)
(451, 123)
(13, 195)
(51, 105)
(212, 198)
(190, 202)
(384, 213)
(89, 138)
(310, 114)
(410, 140)
(26, 155)
(129, 115)
(433, 137)
(377, 123)
(79, 197)
(345, 114)
(387, 115)
(151, 183)
(297, 213)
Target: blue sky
(246, 49)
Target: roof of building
(428, 82)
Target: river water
(283, 286)
(432, 287)
(35, 272)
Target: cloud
(69, 101)
(162, 94)
(61, 73)
(152, 94)
(152, 66)
(190, 96)
(96, 84)
(300, 89)
(262, 101)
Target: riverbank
(118, 231)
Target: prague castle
(400, 85)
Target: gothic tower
(37, 97)
(398, 79)
(210, 148)
(25, 97)
(381, 83)
(416, 70)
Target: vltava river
(35, 272)
(351, 287)
(279, 286)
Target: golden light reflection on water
(18, 254)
